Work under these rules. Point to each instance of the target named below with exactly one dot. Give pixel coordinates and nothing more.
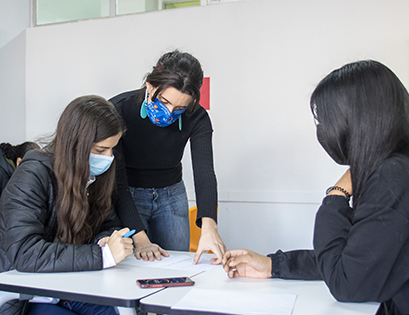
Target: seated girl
(361, 251)
(10, 158)
(56, 211)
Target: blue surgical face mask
(99, 163)
(159, 114)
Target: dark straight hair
(181, 71)
(85, 121)
(362, 109)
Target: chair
(195, 231)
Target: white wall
(14, 19)
(264, 58)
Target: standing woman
(361, 252)
(57, 205)
(160, 119)
(10, 158)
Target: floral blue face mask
(159, 114)
(99, 163)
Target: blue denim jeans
(165, 213)
(70, 308)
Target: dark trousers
(70, 308)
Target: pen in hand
(130, 233)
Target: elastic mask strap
(144, 112)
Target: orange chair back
(195, 231)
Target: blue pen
(130, 233)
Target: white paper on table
(183, 262)
(237, 302)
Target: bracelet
(347, 195)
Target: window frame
(112, 10)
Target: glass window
(181, 4)
(137, 6)
(55, 11)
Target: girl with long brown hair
(56, 211)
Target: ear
(18, 161)
(151, 90)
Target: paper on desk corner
(183, 262)
(237, 302)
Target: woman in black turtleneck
(160, 119)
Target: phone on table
(165, 282)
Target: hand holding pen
(130, 233)
(120, 244)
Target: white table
(114, 286)
(117, 286)
(313, 297)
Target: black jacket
(361, 254)
(28, 224)
(6, 170)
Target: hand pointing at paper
(210, 240)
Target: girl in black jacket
(10, 158)
(56, 213)
(360, 251)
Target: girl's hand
(145, 249)
(210, 240)
(245, 263)
(103, 241)
(120, 247)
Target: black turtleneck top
(149, 156)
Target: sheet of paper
(237, 302)
(183, 262)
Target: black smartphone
(165, 282)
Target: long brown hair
(80, 212)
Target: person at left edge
(56, 213)
(161, 118)
(10, 158)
